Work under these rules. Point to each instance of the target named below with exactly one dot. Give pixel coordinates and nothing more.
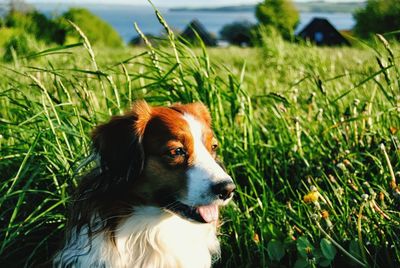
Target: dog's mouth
(202, 214)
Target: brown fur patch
(201, 113)
(197, 109)
(142, 112)
(164, 178)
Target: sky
(173, 3)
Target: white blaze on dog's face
(181, 172)
(205, 172)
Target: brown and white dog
(154, 199)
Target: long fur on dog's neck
(143, 241)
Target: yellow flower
(311, 197)
(324, 214)
(256, 238)
(381, 196)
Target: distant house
(138, 40)
(321, 32)
(194, 27)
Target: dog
(154, 199)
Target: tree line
(377, 16)
(29, 26)
(30, 29)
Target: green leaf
(274, 231)
(55, 50)
(301, 263)
(304, 246)
(317, 253)
(324, 262)
(354, 249)
(328, 250)
(275, 249)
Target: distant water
(121, 17)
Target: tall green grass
(309, 134)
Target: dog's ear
(118, 142)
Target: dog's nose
(224, 190)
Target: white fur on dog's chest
(154, 238)
(150, 238)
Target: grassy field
(310, 135)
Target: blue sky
(170, 3)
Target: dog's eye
(214, 147)
(214, 144)
(177, 152)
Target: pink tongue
(208, 213)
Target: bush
(59, 31)
(97, 30)
(6, 34)
(378, 16)
(21, 44)
(281, 14)
(38, 25)
(238, 33)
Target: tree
(238, 33)
(280, 14)
(36, 24)
(97, 30)
(378, 16)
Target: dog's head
(166, 157)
